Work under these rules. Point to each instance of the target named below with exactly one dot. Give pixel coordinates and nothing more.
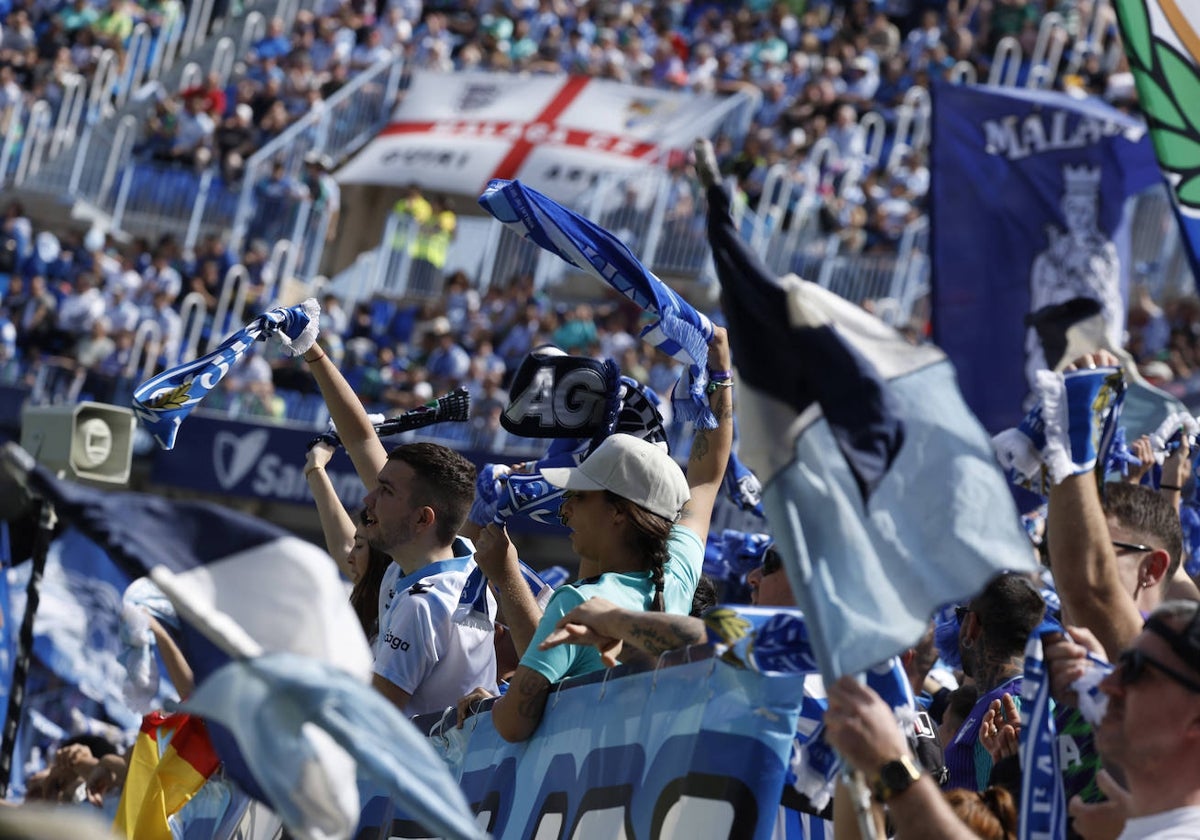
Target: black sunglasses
(1130, 546)
(771, 563)
(1134, 662)
(961, 612)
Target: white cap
(633, 469)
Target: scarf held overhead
(163, 401)
(680, 331)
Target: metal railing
(349, 119)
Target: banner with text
(691, 751)
(1028, 193)
(454, 132)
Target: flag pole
(24, 651)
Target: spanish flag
(171, 760)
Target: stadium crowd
(71, 306)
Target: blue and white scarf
(1068, 432)
(163, 401)
(680, 331)
(1043, 805)
(1043, 800)
(472, 609)
(775, 640)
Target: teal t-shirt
(631, 590)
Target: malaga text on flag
(1027, 198)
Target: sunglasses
(1134, 662)
(961, 612)
(771, 563)
(1126, 546)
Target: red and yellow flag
(171, 760)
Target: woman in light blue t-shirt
(638, 526)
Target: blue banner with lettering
(691, 750)
(1028, 189)
(266, 462)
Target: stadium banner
(455, 132)
(692, 751)
(1027, 201)
(265, 461)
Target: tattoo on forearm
(657, 640)
(700, 446)
(531, 697)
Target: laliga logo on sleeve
(234, 456)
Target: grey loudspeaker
(88, 440)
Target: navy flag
(1027, 197)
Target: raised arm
(711, 448)
(336, 524)
(349, 416)
(497, 557)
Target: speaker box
(88, 440)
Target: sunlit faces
(1148, 710)
(360, 554)
(392, 517)
(592, 519)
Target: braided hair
(648, 540)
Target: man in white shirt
(419, 495)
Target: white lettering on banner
(690, 816)
(234, 456)
(601, 822)
(1018, 137)
(549, 827)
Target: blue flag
(163, 401)
(1164, 54)
(880, 486)
(1026, 200)
(680, 331)
(242, 588)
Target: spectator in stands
(236, 139)
(637, 523)
(79, 311)
(275, 200)
(993, 630)
(1149, 727)
(192, 142)
(417, 501)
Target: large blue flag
(880, 486)
(1027, 197)
(245, 589)
(1163, 49)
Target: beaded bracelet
(714, 384)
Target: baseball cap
(631, 468)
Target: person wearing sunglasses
(1112, 553)
(1151, 728)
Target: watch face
(897, 775)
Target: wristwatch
(894, 778)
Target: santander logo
(234, 455)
